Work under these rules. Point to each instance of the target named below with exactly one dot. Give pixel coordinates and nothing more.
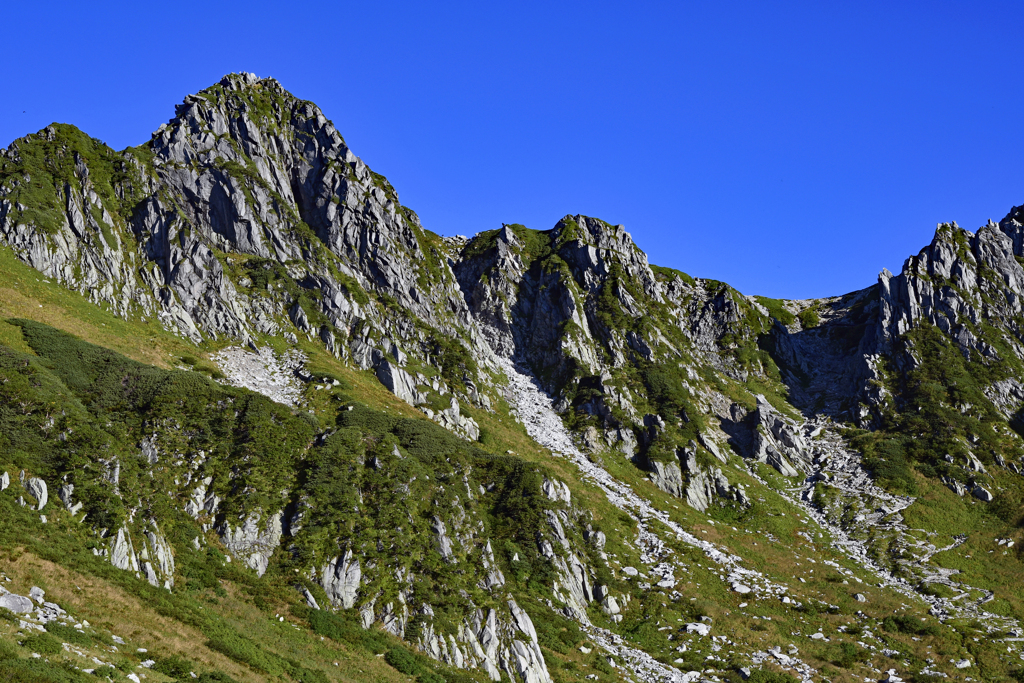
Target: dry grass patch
(114, 609)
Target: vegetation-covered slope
(721, 486)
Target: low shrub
(174, 667)
(8, 650)
(43, 644)
(402, 660)
(809, 318)
(68, 634)
(765, 676)
(41, 671)
(909, 625)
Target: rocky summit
(259, 423)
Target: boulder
(596, 538)
(442, 543)
(555, 490)
(18, 604)
(955, 486)
(668, 477)
(452, 419)
(610, 605)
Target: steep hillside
(258, 423)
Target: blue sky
(791, 149)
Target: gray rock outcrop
(778, 442)
(400, 383)
(493, 577)
(698, 485)
(251, 543)
(982, 494)
(37, 489)
(452, 419)
(340, 579)
(122, 552)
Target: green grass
(776, 309)
(808, 318)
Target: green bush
(174, 667)
(42, 643)
(599, 663)
(665, 388)
(41, 671)
(8, 650)
(913, 626)
(555, 632)
(410, 664)
(68, 634)
(347, 630)
(402, 660)
(808, 318)
(215, 677)
(849, 654)
(776, 309)
(246, 652)
(765, 676)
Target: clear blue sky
(792, 149)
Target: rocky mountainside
(240, 379)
